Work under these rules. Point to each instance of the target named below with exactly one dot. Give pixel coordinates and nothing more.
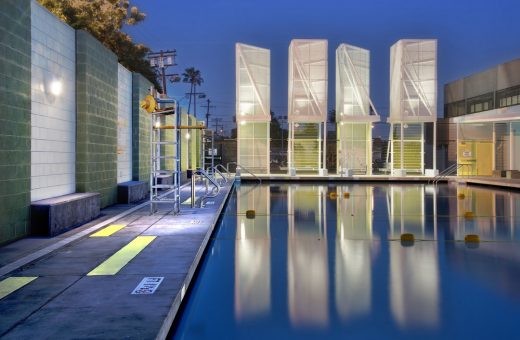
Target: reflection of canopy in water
(414, 285)
(355, 213)
(307, 266)
(252, 254)
(406, 210)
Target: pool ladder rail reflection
(449, 171)
(241, 167)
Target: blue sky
(472, 36)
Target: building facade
(483, 113)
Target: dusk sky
(472, 35)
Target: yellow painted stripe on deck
(188, 201)
(124, 255)
(111, 229)
(12, 284)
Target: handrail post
(193, 189)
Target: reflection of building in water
(353, 280)
(406, 210)
(414, 284)
(252, 254)
(307, 257)
(494, 213)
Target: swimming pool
(326, 261)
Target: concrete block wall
(96, 148)
(15, 118)
(124, 125)
(63, 96)
(140, 130)
(53, 105)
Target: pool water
(326, 261)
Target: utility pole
(162, 60)
(217, 121)
(201, 95)
(208, 106)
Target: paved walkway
(80, 284)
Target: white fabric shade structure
(253, 107)
(353, 103)
(308, 81)
(307, 109)
(413, 81)
(413, 102)
(253, 69)
(355, 111)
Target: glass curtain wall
(307, 114)
(253, 113)
(355, 112)
(413, 99)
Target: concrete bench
(131, 191)
(53, 216)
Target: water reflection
(252, 254)
(307, 267)
(414, 284)
(494, 217)
(312, 265)
(353, 267)
(406, 210)
(490, 214)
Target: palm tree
(192, 76)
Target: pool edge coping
(188, 279)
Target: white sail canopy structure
(413, 103)
(253, 83)
(308, 81)
(355, 111)
(253, 107)
(413, 81)
(353, 102)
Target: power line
(208, 106)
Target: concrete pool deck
(80, 284)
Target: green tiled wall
(15, 118)
(96, 147)
(140, 130)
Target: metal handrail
(443, 172)
(244, 168)
(223, 168)
(448, 172)
(216, 171)
(204, 174)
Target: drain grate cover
(148, 285)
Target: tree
(104, 19)
(192, 76)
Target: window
(509, 96)
(480, 103)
